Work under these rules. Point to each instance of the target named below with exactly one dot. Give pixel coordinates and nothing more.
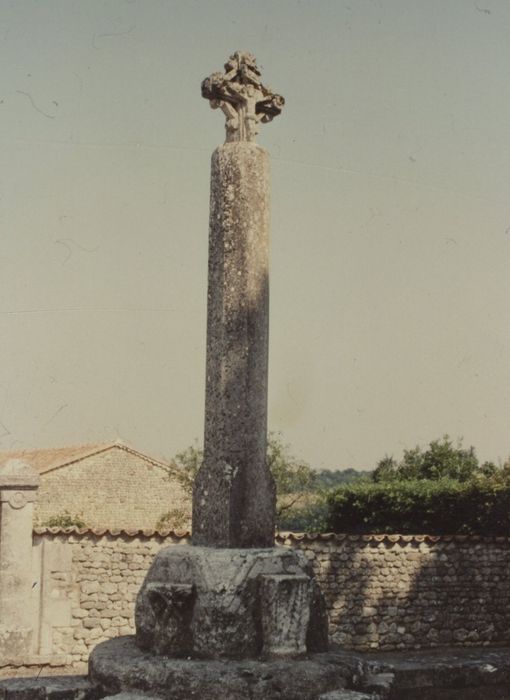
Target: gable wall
(114, 489)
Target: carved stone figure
(242, 97)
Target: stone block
(15, 645)
(51, 688)
(173, 605)
(237, 603)
(344, 694)
(285, 613)
(138, 695)
(379, 684)
(59, 611)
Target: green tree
(184, 468)
(300, 504)
(497, 476)
(441, 460)
(291, 474)
(490, 470)
(294, 478)
(186, 464)
(386, 470)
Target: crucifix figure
(242, 97)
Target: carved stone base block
(202, 602)
(285, 603)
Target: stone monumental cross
(231, 616)
(234, 495)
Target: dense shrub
(445, 506)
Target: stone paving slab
(345, 695)
(48, 688)
(446, 674)
(132, 696)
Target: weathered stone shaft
(234, 493)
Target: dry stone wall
(411, 592)
(382, 592)
(103, 573)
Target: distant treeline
(327, 478)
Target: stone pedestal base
(118, 665)
(203, 602)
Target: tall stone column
(234, 493)
(18, 489)
(232, 594)
(234, 497)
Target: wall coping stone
(280, 536)
(100, 531)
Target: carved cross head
(242, 97)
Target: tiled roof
(44, 460)
(281, 537)
(100, 531)
(334, 537)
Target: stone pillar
(234, 494)
(18, 489)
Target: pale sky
(390, 282)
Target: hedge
(420, 507)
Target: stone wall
(104, 490)
(89, 583)
(383, 592)
(410, 592)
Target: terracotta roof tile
(44, 460)
(280, 537)
(100, 531)
(417, 539)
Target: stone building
(106, 486)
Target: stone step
(345, 695)
(379, 684)
(48, 688)
(132, 696)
